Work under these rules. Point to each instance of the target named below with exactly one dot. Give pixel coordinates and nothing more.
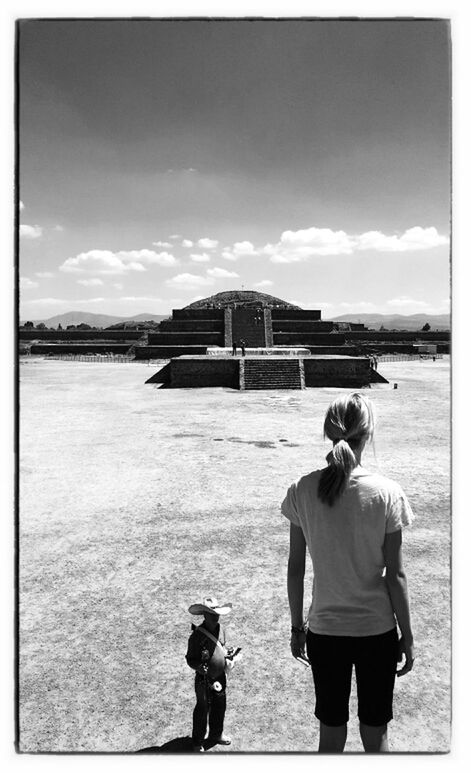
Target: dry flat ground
(137, 501)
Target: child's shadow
(181, 744)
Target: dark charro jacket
(199, 642)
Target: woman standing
(351, 521)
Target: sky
(165, 161)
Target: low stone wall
(166, 352)
(346, 372)
(348, 351)
(295, 313)
(198, 314)
(194, 372)
(214, 338)
(301, 326)
(405, 335)
(308, 339)
(399, 348)
(190, 325)
(100, 336)
(79, 348)
(187, 372)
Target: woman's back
(345, 540)
(351, 520)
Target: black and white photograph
(233, 385)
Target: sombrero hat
(211, 605)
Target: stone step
(272, 380)
(273, 364)
(272, 384)
(272, 374)
(269, 368)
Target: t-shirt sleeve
(399, 512)
(289, 506)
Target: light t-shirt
(345, 541)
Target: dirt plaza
(137, 501)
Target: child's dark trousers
(209, 705)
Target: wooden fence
(91, 357)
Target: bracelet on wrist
(294, 629)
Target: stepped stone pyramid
(261, 320)
(278, 338)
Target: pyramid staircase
(142, 341)
(272, 373)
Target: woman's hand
(298, 644)
(406, 648)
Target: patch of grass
(129, 512)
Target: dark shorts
(332, 659)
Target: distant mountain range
(95, 320)
(374, 321)
(398, 321)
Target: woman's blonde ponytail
(349, 423)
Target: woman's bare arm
(296, 570)
(396, 582)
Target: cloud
(100, 262)
(175, 236)
(264, 283)
(149, 256)
(221, 273)
(238, 250)
(244, 248)
(45, 274)
(162, 244)
(22, 206)
(208, 244)
(416, 238)
(26, 283)
(295, 246)
(59, 228)
(203, 258)
(187, 243)
(93, 282)
(107, 262)
(118, 285)
(189, 280)
(30, 231)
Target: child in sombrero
(208, 655)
